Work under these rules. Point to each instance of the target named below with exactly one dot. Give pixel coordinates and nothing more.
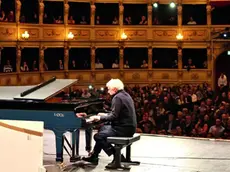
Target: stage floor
(156, 154)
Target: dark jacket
(123, 112)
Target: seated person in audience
(46, 19)
(126, 65)
(3, 17)
(7, 67)
(222, 81)
(128, 20)
(201, 128)
(61, 66)
(169, 127)
(10, 17)
(205, 64)
(144, 64)
(115, 21)
(175, 64)
(227, 131)
(86, 94)
(71, 20)
(86, 64)
(22, 19)
(115, 65)
(188, 126)
(24, 67)
(35, 18)
(190, 65)
(99, 65)
(191, 21)
(35, 66)
(73, 65)
(216, 130)
(146, 126)
(83, 20)
(59, 20)
(98, 20)
(143, 21)
(156, 21)
(224, 118)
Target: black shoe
(92, 159)
(123, 159)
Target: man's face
(112, 91)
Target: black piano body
(57, 116)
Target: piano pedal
(75, 158)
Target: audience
(173, 111)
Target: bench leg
(117, 163)
(128, 157)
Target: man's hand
(102, 114)
(81, 115)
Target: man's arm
(116, 108)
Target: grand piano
(40, 103)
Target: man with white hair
(122, 120)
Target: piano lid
(9, 92)
(45, 91)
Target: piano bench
(120, 143)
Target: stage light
(179, 36)
(123, 36)
(172, 4)
(25, 35)
(90, 87)
(70, 35)
(155, 4)
(102, 88)
(228, 53)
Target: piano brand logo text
(59, 115)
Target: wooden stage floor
(156, 154)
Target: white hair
(115, 83)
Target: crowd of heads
(181, 110)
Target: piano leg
(59, 146)
(75, 146)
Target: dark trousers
(109, 131)
(88, 138)
(101, 140)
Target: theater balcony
(157, 49)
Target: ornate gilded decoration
(195, 34)
(53, 33)
(107, 76)
(136, 76)
(106, 34)
(80, 34)
(165, 76)
(34, 33)
(150, 74)
(164, 34)
(7, 32)
(136, 34)
(195, 76)
(180, 73)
